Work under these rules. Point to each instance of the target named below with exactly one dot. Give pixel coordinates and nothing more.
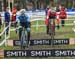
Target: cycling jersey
(24, 18)
(50, 15)
(62, 14)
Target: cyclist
(51, 14)
(13, 17)
(24, 22)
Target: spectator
(47, 9)
(7, 19)
(62, 15)
(58, 8)
(13, 18)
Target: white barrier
(38, 25)
(4, 32)
(36, 16)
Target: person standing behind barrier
(7, 19)
(0, 21)
(24, 22)
(47, 10)
(13, 17)
(62, 15)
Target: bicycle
(52, 29)
(23, 39)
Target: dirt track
(45, 36)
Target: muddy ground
(45, 36)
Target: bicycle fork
(52, 30)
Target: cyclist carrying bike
(51, 15)
(24, 22)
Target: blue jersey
(7, 16)
(24, 18)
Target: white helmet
(22, 10)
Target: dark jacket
(7, 17)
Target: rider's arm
(17, 18)
(47, 17)
(48, 14)
(18, 22)
(28, 18)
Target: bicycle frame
(52, 29)
(24, 41)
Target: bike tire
(52, 31)
(24, 41)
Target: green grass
(13, 35)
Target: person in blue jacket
(7, 19)
(24, 22)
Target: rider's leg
(62, 22)
(6, 24)
(20, 30)
(15, 25)
(58, 26)
(47, 30)
(58, 22)
(28, 31)
(28, 34)
(54, 25)
(47, 27)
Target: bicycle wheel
(52, 30)
(24, 41)
(49, 27)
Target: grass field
(42, 30)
